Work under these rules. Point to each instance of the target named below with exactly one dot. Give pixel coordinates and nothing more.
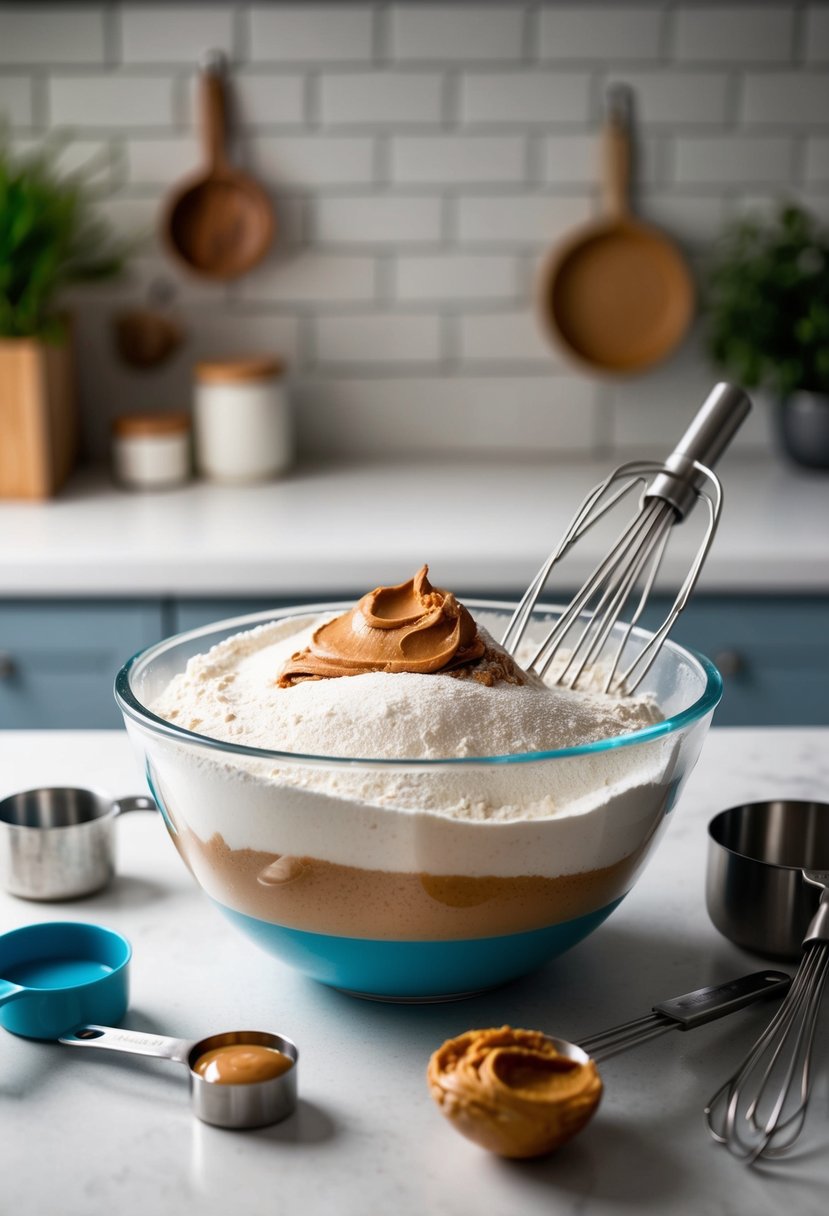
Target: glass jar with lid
(242, 419)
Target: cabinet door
(58, 659)
(190, 614)
(773, 653)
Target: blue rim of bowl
(132, 708)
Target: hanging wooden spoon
(220, 222)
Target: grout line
(381, 35)
(450, 354)
(668, 36)
(113, 34)
(531, 40)
(40, 100)
(241, 39)
(800, 32)
(312, 100)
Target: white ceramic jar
(242, 419)
(151, 451)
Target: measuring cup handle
(132, 1042)
(136, 802)
(9, 991)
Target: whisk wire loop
(584, 630)
(781, 1059)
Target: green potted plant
(50, 239)
(767, 311)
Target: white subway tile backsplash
(817, 159)
(415, 415)
(615, 32)
(456, 278)
(673, 97)
(692, 220)
(91, 157)
(378, 220)
(16, 100)
(456, 32)
(297, 162)
(378, 338)
(505, 337)
(160, 162)
(576, 160)
(450, 159)
(135, 219)
(110, 101)
(786, 98)
(381, 99)
(310, 278)
(734, 160)
(817, 33)
(526, 220)
(68, 33)
(422, 158)
(257, 99)
(649, 412)
(739, 33)
(767, 205)
(547, 97)
(174, 33)
(311, 33)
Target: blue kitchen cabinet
(58, 659)
(190, 614)
(772, 651)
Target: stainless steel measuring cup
(58, 842)
(756, 891)
(249, 1104)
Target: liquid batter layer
(324, 897)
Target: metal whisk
(585, 630)
(761, 1109)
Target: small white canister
(151, 451)
(242, 419)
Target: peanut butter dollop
(511, 1091)
(412, 627)
(242, 1064)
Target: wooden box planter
(38, 417)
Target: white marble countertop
(483, 527)
(101, 1134)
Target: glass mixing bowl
(348, 870)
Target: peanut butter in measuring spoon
(242, 1064)
(511, 1091)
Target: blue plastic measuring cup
(61, 974)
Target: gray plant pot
(804, 428)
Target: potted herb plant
(50, 239)
(767, 309)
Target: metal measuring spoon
(494, 1092)
(243, 1105)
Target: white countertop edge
(482, 526)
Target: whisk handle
(708, 1004)
(715, 425)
